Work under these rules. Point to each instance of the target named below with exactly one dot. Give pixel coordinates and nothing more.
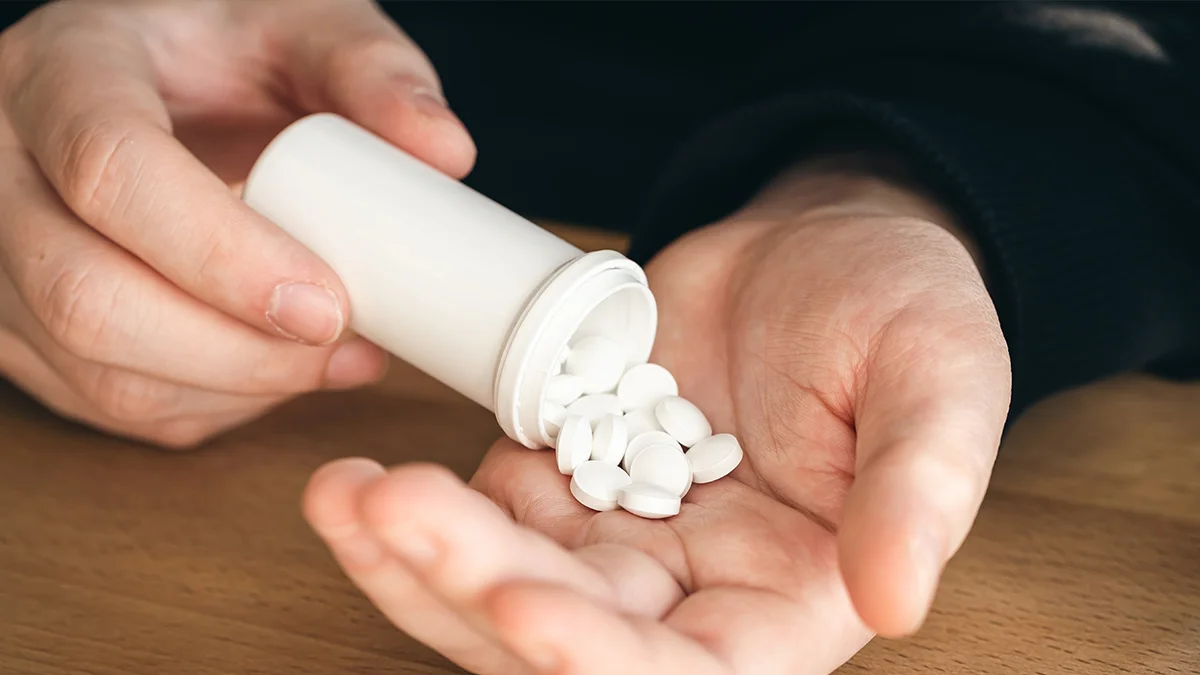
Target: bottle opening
(623, 318)
(601, 293)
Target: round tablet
(645, 385)
(683, 420)
(595, 406)
(599, 361)
(648, 501)
(553, 415)
(598, 485)
(574, 444)
(564, 389)
(609, 440)
(714, 457)
(641, 420)
(645, 440)
(664, 466)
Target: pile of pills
(621, 433)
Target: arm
(1059, 135)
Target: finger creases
(95, 303)
(460, 543)
(178, 420)
(559, 630)
(929, 426)
(93, 119)
(332, 506)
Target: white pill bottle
(442, 277)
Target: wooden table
(117, 559)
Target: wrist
(857, 186)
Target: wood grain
(120, 559)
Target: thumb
(929, 424)
(349, 58)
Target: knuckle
(14, 50)
(367, 54)
(35, 51)
(130, 398)
(22, 63)
(78, 311)
(18, 42)
(100, 168)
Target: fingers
(116, 400)
(719, 632)
(29, 371)
(460, 543)
(558, 630)
(928, 429)
(606, 608)
(98, 303)
(640, 560)
(127, 397)
(436, 550)
(770, 599)
(85, 104)
(642, 586)
(349, 58)
(529, 486)
(332, 506)
(765, 631)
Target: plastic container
(442, 277)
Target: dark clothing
(1064, 136)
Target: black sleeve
(1063, 136)
(12, 12)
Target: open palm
(858, 358)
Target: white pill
(599, 361)
(645, 385)
(644, 440)
(664, 466)
(714, 457)
(648, 501)
(574, 444)
(683, 420)
(609, 440)
(595, 406)
(641, 420)
(598, 485)
(553, 415)
(564, 389)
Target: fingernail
(430, 103)
(306, 312)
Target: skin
(839, 325)
(126, 127)
(842, 330)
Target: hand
(137, 292)
(841, 330)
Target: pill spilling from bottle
(625, 436)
